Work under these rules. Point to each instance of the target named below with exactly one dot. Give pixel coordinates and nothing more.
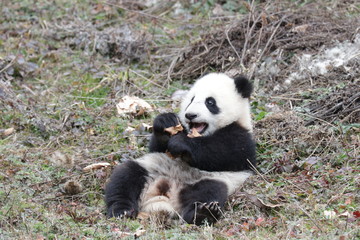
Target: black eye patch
(210, 103)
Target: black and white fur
(195, 183)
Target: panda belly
(168, 178)
(161, 195)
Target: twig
(9, 65)
(267, 44)
(348, 116)
(257, 172)
(307, 214)
(310, 116)
(317, 146)
(107, 155)
(232, 46)
(147, 79)
(299, 188)
(288, 98)
(248, 33)
(171, 67)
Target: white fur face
(213, 103)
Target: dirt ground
(64, 65)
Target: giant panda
(191, 177)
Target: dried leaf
(258, 202)
(129, 130)
(330, 214)
(300, 29)
(233, 230)
(133, 106)
(174, 130)
(139, 232)
(312, 160)
(145, 127)
(121, 234)
(72, 187)
(345, 214)
(194, 133)
(95, 166)
(259, 221)
(264, 20)
(7, 132)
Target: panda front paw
(178, 145)
(165, 120)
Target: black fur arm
(228, 149)
(159, 139)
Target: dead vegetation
(65, 66)
(263, 31)
(339, 105)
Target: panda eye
(210, 101)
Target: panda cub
(185, 176)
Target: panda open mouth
(200, 127)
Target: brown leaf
(259, 221)
(174, 130)
(194, 133)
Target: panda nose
(190, 116)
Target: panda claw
(213, 206)
(210, 211)
(126, 214)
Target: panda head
(216, 101)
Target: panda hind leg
(203, 201)
(124, 189)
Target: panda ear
(243, 86)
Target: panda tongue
(198, 126)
